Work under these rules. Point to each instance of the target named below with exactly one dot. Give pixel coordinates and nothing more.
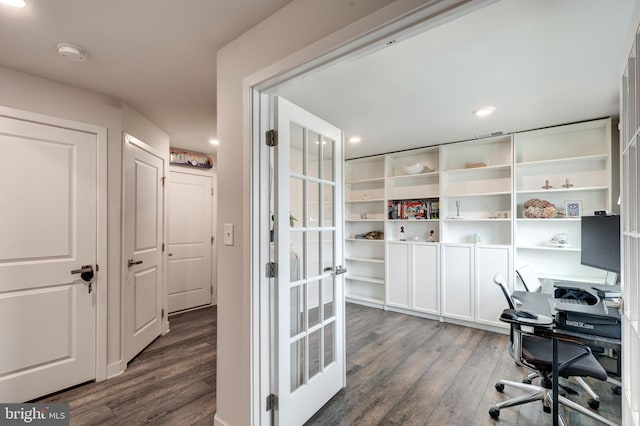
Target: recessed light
(14, 3)
(354, 139)
(484, 111)
(213, 141)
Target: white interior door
(48, 227)
(143, 230)
(309, 338)
(189, 240)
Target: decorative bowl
(413, 168)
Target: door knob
(340, 270)
(86, 272)
(132, 262)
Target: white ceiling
(540, 63)
(159, 56)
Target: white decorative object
(414, 169)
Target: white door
(48, 196)
(398, 284)
(189, 240)
(309, 338)
(143, 226)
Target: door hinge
(212, 239)
(97, 267)
(272, 137)
(162, 246)
(272, 270)
(272, 402)
(212, 192)
(211, 288)
(163, 178)
(162, 312)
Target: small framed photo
(573, 208)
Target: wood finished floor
(171, 382)
(401, 370)
(404, 370)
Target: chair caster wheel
(616, 389)
(494, 412)
(499, 387)
(595, 404)
(546, 409)
(526, 381)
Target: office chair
(532, 283)
(536, 354)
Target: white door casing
(52, 221)
(309, 340)
(143, 265)
(189, 240)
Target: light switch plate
(228, 234)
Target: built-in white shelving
(471, 195)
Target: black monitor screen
(601, 242)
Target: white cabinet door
(457, 281)
(426, 277)
(490, 302)
(398, 274)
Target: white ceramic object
(414, 168)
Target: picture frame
(573, 208)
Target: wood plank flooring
(401, 370)
(171, 382)
(404, 370)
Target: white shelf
(371, 280)
(552, 190)
(478, 194)
(548, 220)
(417, 175)
(364, 220)
(412, 220)
(478, 169)
(364, 240)
(359, 298)
(560, 161)
(365, 259)
(567, 249)
(471, 219)
(379, 179)
(368, 200)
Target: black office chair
(536, 354)
(531, 283)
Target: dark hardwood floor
(171, 382)
(401, 370)
(404, 370)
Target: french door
(309, 339)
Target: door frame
(164, 326)
(255, 115)
(100, 134)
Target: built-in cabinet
(427, 229)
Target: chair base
(538, 393)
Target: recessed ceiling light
(484, 111)
(14, 3)
(213, 141)
(72, 52)
(355, 139)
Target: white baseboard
(115, 369)
(217, 421)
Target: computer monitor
(601, 242)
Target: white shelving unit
(547, 168)
(474, 191)
(364, 213)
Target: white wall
(35, 94)
(285, 39)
